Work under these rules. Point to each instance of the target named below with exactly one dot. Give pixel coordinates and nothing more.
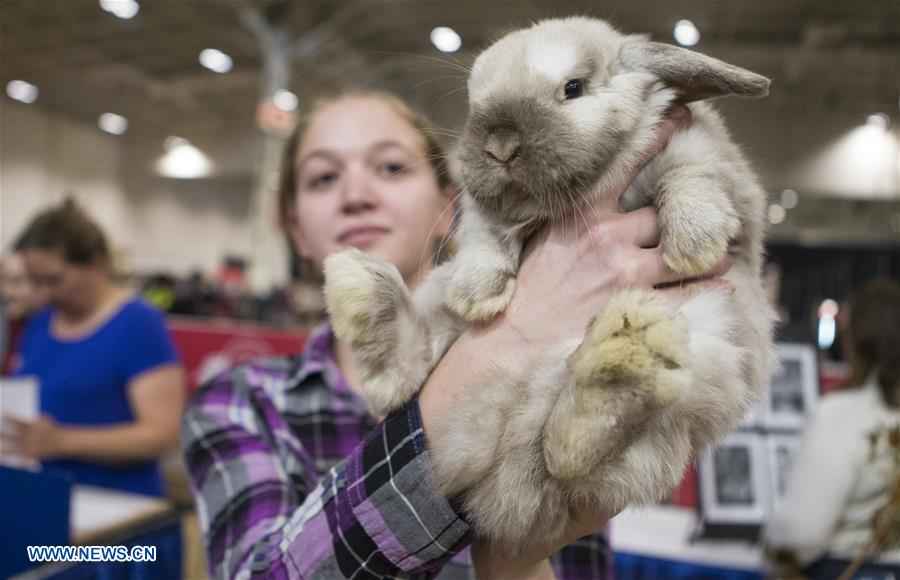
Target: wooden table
(99, 515)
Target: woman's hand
(571, 269)
(39, 439)
(156, 397)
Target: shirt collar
(318, 359)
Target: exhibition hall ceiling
(85, 60)
(834, 62)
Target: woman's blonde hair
(287, 191)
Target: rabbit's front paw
(694, 238)
(360, 291)
(637, 340)
(480, 293)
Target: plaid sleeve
(587, 558)
(264, 513)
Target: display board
(742, 480)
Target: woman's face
(363, 180)
(68, 287)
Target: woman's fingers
(719, 269)
(640, 226)
(10, 435)
(11, 425)
(660, 274)
(680, 293)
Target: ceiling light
(183, 161)
(686, 34)
(776, 214)
(789, 199)
(173, 141)
(861, 163)
(124, 9)
(22, 91)
(215, 60)
(879, 120)
(445, 39)
(285, 100)
(112, 123)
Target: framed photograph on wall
(794, 390)
(780, 450)
(734, 482)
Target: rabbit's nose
(502, 145)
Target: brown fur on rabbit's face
(529, 151)
(551, 169)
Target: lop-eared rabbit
(558, 111)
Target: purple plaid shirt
(294, 479)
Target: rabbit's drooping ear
(697, 76)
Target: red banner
(209, 347)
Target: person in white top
(835, 485)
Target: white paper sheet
(19, 399)
(95, 509)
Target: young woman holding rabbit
(293, 475)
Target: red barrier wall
(209, 347)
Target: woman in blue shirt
(111, 385)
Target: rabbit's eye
(573, 88)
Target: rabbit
(557, 112)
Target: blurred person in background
(194, 296)
(19, 300)
(160, 291)
(111, 385)
(836, 482)
(293, 476)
